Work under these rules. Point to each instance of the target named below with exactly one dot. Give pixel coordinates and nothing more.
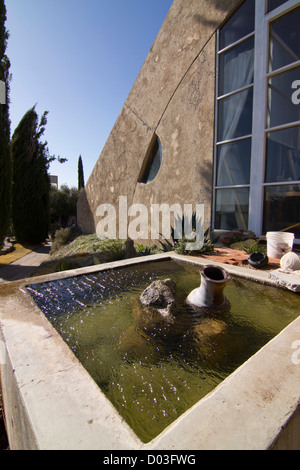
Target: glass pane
(236, 67)
(282, 208)
(239, 25)
(233, 163)
(235, 115)
(232, 207)
(283, 155)
(285, 40)
(272, 4)
(283, 107)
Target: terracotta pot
(210, 293)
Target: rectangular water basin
(150, 367)
(182, 384)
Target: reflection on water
(153, 369)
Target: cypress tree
(31, 182)
(80, 173)
(5, 159)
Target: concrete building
(54, 181)
(213, 118)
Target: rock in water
(160, 295)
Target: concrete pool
(51, 402)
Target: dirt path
(24, 266)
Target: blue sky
(78, 60)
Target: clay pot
(210, 293)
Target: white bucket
(279, 243)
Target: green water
(153, 370)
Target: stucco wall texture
(174, 97)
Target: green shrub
(61, 238)
(207, 247)
(142, 250)
(66, 265)
(113, 250)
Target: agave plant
(182, 244)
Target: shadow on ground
(24, 266)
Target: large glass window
(257, 156)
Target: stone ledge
(287, 280)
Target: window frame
(260, 130)
(218, 99)
(145, 172)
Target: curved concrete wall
(174, 97)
